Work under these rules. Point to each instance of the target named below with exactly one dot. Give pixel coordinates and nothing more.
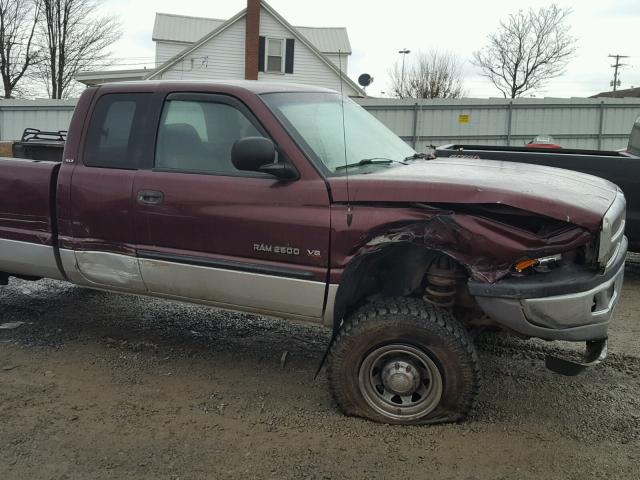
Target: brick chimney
(252, 40)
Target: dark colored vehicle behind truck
(619, 167)
(236, 195)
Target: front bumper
(570, 303)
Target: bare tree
(18, 52)
(75, 38)
(434, 74)
(529, 49)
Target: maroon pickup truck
(289, 201)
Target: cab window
(197, 136)
(114, 137)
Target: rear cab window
(115, 137)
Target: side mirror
(258, 154)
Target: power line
(616, 82)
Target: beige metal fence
(577, 122)
(599, 123)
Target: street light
(404, 53)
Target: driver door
(209, 232)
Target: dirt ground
(96, 385)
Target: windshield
(316, 119)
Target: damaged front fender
(379, 254)
(486, 247)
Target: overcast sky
(378, 29)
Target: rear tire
(404, 361)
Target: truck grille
(612, 231)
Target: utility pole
(616, 82)
(404, 53)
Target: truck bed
(27, 230)
(567, 153)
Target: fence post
(509, 117)
(601, 127)
(415, 125)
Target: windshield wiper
(370, 161)
(418, 156)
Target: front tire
(404, 361)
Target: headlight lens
(545, 262)
(612, 231)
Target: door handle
(150, 197)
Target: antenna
(344, 142)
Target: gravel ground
(98, 385)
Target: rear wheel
(404, 361)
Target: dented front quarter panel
(485, 247)
(385, 211)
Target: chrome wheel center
(400, 377)
(400, 381)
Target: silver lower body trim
(110, 269)
(244, 290)
(103, 270)
(228, 289)
(328, 316)
(25, 258)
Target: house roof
(629, 92)
(185, 29)
(103, 76)
(328, 39)
(181, 28)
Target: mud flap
(334, 335)
(595, 353)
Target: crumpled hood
(554, 192)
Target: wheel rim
(400, 382)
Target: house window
(275, 55)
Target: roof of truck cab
(254, 86)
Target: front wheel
(404, 361)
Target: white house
(255, 44)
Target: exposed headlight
(548, 261)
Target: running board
(595, 353)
